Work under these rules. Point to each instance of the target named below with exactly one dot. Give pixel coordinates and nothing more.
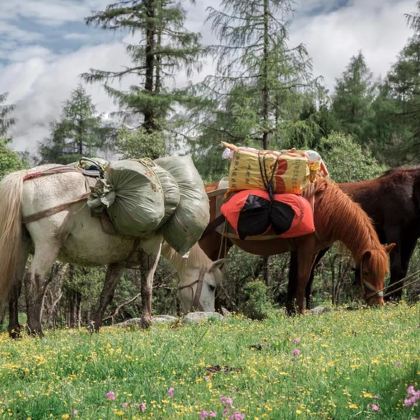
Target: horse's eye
(212, 288)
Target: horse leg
(406, 249)
(149, 258)
(112, 276)
(14, 328)
(36, 283)
(308, 288)
(306, 256)
(291, 285)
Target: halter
(369, 286)
(196, 297)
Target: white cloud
(50, 12)
(378, 29)
(39, 82)
(39, 86)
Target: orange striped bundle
(287, 171)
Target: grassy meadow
(338, 365)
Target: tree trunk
(149, 115)
(264, 89)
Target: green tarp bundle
(185, 227)
(141, 197)
(139, 206)
(170, 191)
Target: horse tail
(11, 241)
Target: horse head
(197, 290)
(374, 266)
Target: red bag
(251, 212)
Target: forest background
(262, 93)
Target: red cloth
(303, 221)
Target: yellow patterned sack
(287, 171)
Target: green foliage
(347, 160)
(255, 61)
(9, 160)
(257, 304)
(404, 82)
(78, 133)
(353, 97)
(136, 144)
(348, 360)
(163, 48)
(5, 120)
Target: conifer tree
(164, 48)
(78, 133)
(353, 97)
(6, 121)
(254, 54)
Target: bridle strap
(196, 301)
(367, 285)
(375, 292)
(197, 295)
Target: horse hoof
(15, 333)
(35, 332)
(145, 322)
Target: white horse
(43, 211)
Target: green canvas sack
(191, 217)
(138, 206)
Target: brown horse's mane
(337, 217)
(401, 169)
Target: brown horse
(337, 218)
(392, 201)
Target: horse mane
(196, 258)
(401, 169)
(337, 217)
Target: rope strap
(53, 210)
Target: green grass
(348, 360)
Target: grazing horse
(392, 201)
(68, 232)
(337, 218)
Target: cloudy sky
(45, 45)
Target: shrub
(257, 304)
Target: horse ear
(366, 256)
(218, 264)
(390, 247)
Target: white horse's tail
(11, 243)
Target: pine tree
(78, 133)
(353, 97)
(6, 121)
(404, 83)
(165, 47)
(254, 55)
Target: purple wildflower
(203, 414)
(413, 396)
(171, 392)
(374, 407)
(296, 352)
(110, 395)
(237, 416)
(296, 340)
(226, 401)
(206, 414)
(142, 407)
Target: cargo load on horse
(252, 212)
(286, 171)
(264, 191)
(140, 196)
(192, 215)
